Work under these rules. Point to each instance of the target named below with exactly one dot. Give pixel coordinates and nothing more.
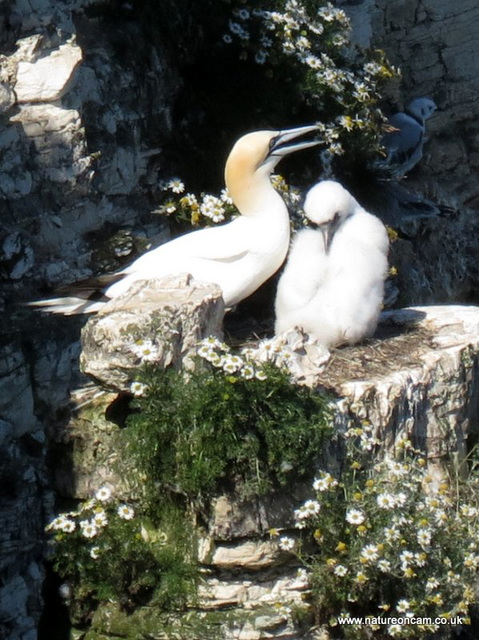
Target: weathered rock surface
(175, 313)
(48, 78)
(418, 379)
(23, 498)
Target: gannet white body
(404, 146)
(333, 284)
(238, 256)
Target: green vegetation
(231, 424)
(212, 430)
(387, 540)
(107, 550)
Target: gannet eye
(272, 144)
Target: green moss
(207, 433)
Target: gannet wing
(227, 243)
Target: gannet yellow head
(326, 206)
(253, 158)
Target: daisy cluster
(106, 550)
(389, 542)
(91, 522)
(147, 352)
(249, 363)
(344, 83)
(195, 209)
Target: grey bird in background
(404, 144)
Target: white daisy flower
(355, 516)
(471, 561)
(176, 185)
(312, 506)
(125, 512)
(212, 207)
(385, 501)
(308, 509)
(138, 388)
(440, 517)
(168, 208)
(225, 196)
(286, 544)
(432, 584)
(321, 484)
(336, 148)
(260, 57)
(325, 482)
(206, 352)
(397, 469)
(424, 537)
(145, 350)
(68, 526)
(420, 559)
(340, 570)
(211, 341)
(95, 552)
(231, 364)
(406, 557)
(370, 553)
(394, 630)
(247, 372)
(400, 499)
(88, 529)
(235, 27)
(103, 494)
(384, 566)
(361, 577)
(56, 524)
(190, 198)
(100, 519)
(303, 43)
(403, 605)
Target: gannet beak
(327, 234)
(277, 147)
(328, 229)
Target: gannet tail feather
(85, 296)
(67, 306)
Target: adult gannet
(333, 284)
(238, 256)
(404, 145)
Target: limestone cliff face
(86, 113)
(432, 42)
(85, 105)
(85, 100)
